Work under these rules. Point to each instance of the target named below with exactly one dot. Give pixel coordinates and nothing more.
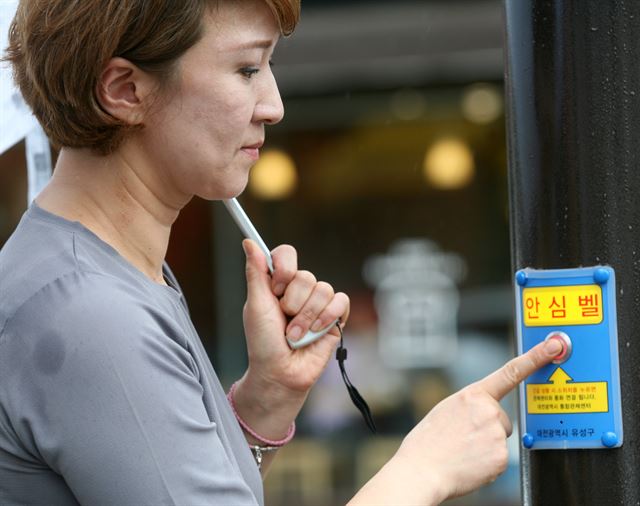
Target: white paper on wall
(38, 161)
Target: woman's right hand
(460, 445)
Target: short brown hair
(58, 49)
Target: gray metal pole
(573, 92)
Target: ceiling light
(274, 176)
(448, 164)
(482, 103)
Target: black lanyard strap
(356, 398)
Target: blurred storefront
(393, 138)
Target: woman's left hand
(284, 304)
(287, 304)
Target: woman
(106, 393)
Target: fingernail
(245, 247)
(317, 325)
(278, 289)
(553, 347)
(295, 333)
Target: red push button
(567, 346)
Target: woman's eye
(248, 72)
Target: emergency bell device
(573, 402)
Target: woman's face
(204, 135)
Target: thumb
(257, 273)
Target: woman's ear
(124, 91)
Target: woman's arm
(459, 446)
(271, 393)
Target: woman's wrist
(268, 409)
(428, 481)
(271, 444)
(400, 482)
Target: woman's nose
(269, 108)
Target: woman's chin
(228, 192)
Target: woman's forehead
(244, 24)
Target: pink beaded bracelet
(280, 442)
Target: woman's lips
(253, 153)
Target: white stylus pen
(250, 232)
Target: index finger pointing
(499, 383)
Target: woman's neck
(120, 199)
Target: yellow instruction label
(562, 305)
(560, 396)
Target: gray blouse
(106, 393)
